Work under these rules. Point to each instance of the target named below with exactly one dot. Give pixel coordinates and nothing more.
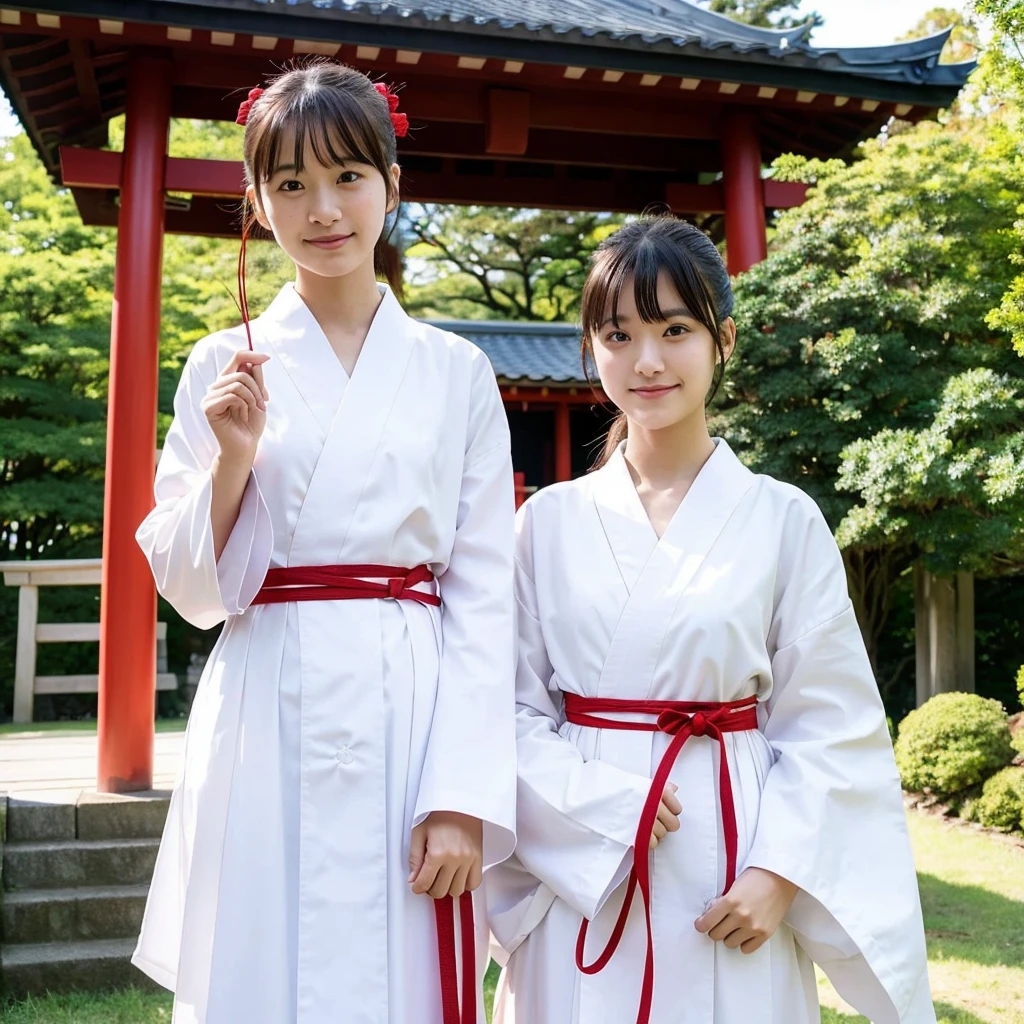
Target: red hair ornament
(400, 122)
(246, 105)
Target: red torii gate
(682, 110)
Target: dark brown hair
(342, 116)
(642, 250)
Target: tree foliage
(864, 356)
(485, 262)
(964, 41)
(763, 13)
(56, 280)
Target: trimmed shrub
(954, 741)
(1001, 804)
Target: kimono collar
(288, 309)
(719, 484)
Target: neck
(673, 456)
(347, 303)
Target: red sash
(355, 583)
(681, 720)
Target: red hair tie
(246, 105)
(400, 122)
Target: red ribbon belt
(345, 583)
(680, 720)
(356, 583)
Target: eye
(289, 185)
(677, 330)
(348, 177)
(616, 337)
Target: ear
(396, 175)
(253, 198)
(728, 337)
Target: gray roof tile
(635, 24)
(525, 353)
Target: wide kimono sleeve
(470, 758)
(832, 818)
(177, 536)
(577, 819)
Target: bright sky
(869, 22)
(847, 23)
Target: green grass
(21, 730)
(972, 892)
(128, 1007)
(972, 888)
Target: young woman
(684, 619)
(337, 485)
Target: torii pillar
(127, 687)
(745, 238)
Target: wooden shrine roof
(585, 104)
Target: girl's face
(658, 374)
(327, 219)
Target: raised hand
(446, 855)
(236, 406)
(747, 915)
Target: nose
(325, 209)
(649, 362)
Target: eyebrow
(666, 314)
(291, 167)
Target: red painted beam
(97, 168)
(127, 688)
(508, 122)
(540, 397)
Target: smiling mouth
(654, 392)
(329, 241)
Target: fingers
(670, 800)
(242, 384)
(739, 936)
(668, 819)
(239, 359)
(425, 877)
(225, 405)
(256, 370)
(476, 876)
(657, 833)
(716, 913)
(443, 881)
(417, 851)
(458, 886)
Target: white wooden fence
(28, 577)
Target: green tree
(763, 13)
(495, 263)
(55, 293)
(1005, 68)
(869, 308)
(964, 41)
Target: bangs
(644, 263)
(333, 123)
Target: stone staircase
(74, 882)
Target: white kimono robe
(744, 594)
(323, 731)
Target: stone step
(79, 862)
(68, 966)
(91, 816)
(72, 915)
(122, 816)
